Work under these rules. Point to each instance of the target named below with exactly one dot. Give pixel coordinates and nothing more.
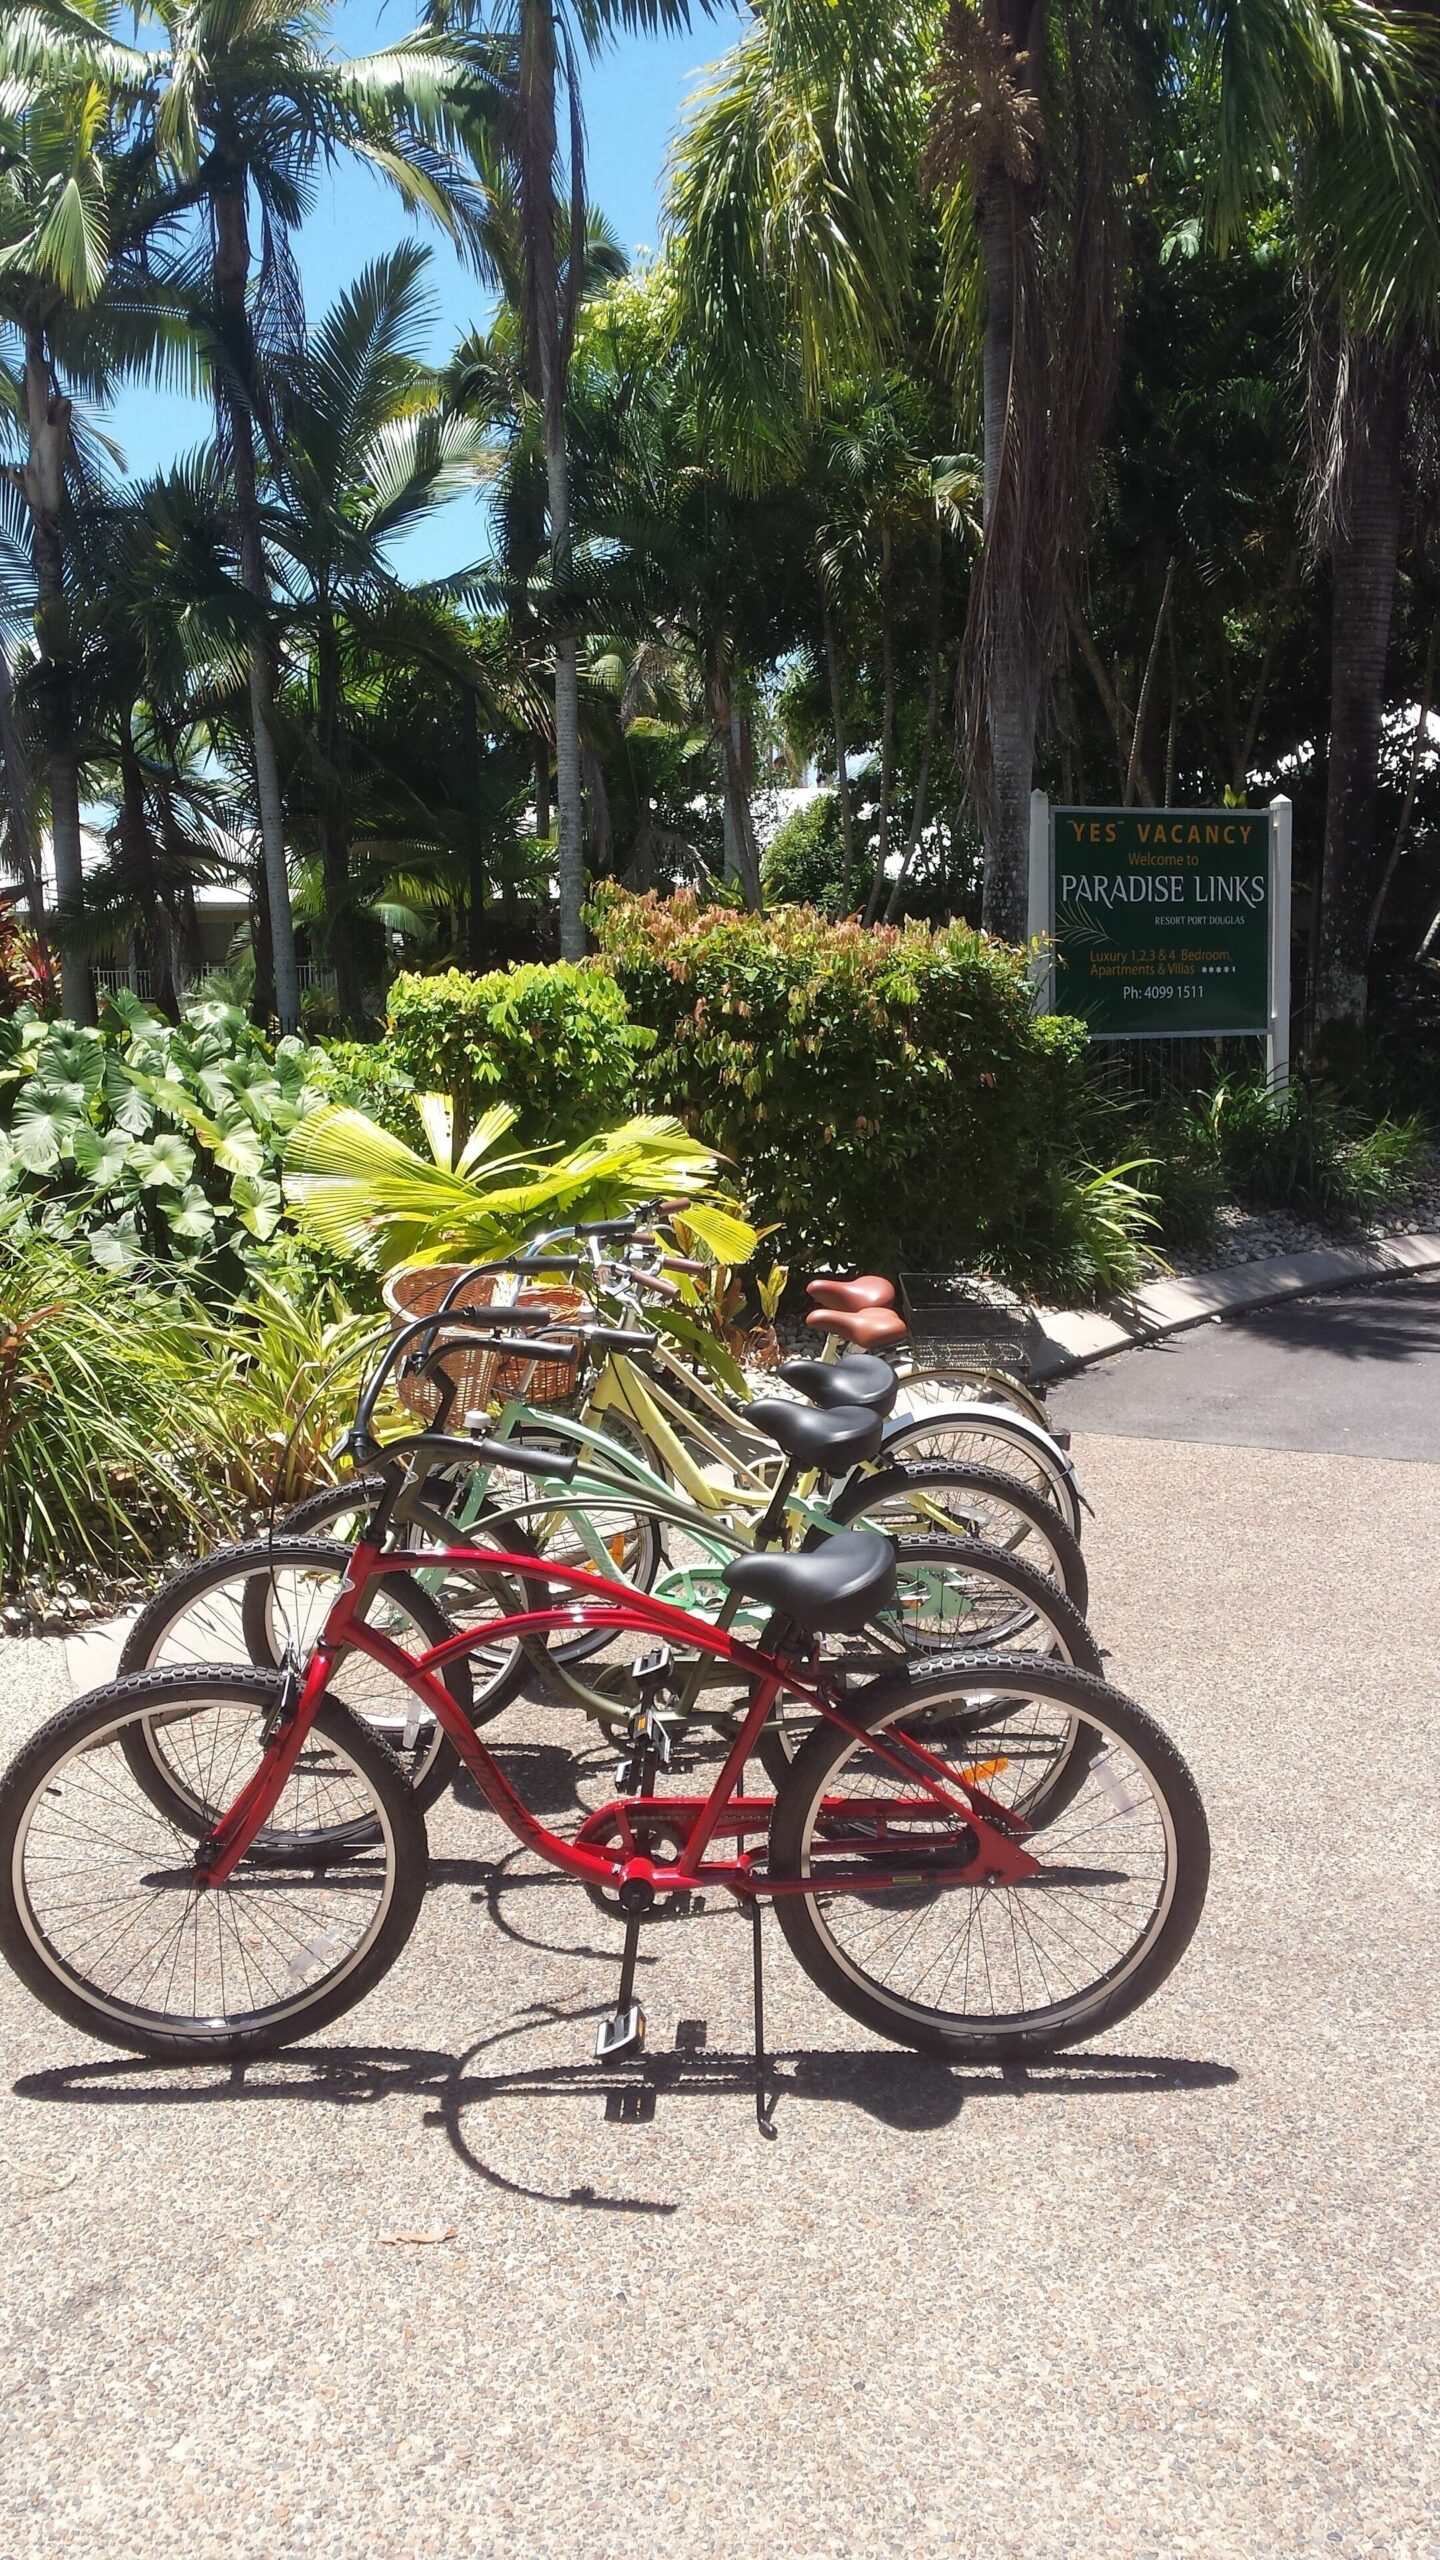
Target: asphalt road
(1358, 1374)
(408, 2293)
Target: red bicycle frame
(998, 1857)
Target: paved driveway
(409, 2293)
(1357, 1373)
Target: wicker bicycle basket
(480, 1377)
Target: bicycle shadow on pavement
(905, 2092)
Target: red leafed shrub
(889, 1095)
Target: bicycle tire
(37, 1791)
(832, 1961)
(1040, 1535)
(984, 1436)
(429, 1763)
(506, 1522)
(784, 1736)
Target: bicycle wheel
(930, 1497)
(993, 1972)
(99, 1912)
(253, 1603)
(608, 1534)
(985, 1436)
(954, 1594)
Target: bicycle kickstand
(766, 2099)
(623, 2032)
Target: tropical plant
(148, 1141)
(367, 451)
(530, 176)
(556, 1043)
(365, 1195)
(113, 1425)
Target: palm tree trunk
(1010, 709)
(1364, 556)
(927, 752)
(332, 804)
(232, 278)
(47, 418)
(20, 801)
(1418, 747)
(138, 839)
(842, 775)
(545, 353)
(887, 725)
(739, 818)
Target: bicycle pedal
(683, 1905)
(650, 1668)
(631, 2106)
(622, 2032)
(691, 2035)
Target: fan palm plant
(367, 1196)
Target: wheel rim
(101, 1886)
(1004, 1960)
(295, 1602)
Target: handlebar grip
(557, 1466)
(535, 1347)
(680, 1262)
(605, 1337)
(657, 1281)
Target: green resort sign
(1165, 922)
(1162, 919)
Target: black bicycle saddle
(836, 1385)
(834, 1588)
(831, 1442)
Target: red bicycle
(942, 1863)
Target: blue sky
(633, 100)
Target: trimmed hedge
(889, 1095)
(555, 1040)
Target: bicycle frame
(999, 1856)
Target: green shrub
(365, 1076)
(115, 1434)
(1306, 1151)
(556, 1042)
(146, 1140)
(890, 1096)
(804, 861)
(1184, 1175)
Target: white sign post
(1042, 900)
(1277, 1037)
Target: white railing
(310, 974)
(108, 982)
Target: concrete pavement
(408, 2293)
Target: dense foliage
(950, 445)
(148, 1140)
(556, 1043)
(889, 1096)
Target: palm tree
(365, 448)
(77, 302)
(540, 44)
(794, 212)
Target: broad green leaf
(102, 1156)
(126, 1102)
(115, 1247)
(44, 1123)
(729, 1238)
(164, 1164)
(71, 1057)
(9, 1163)
(239, 1149)
(258, 1205)
(191, 1216)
